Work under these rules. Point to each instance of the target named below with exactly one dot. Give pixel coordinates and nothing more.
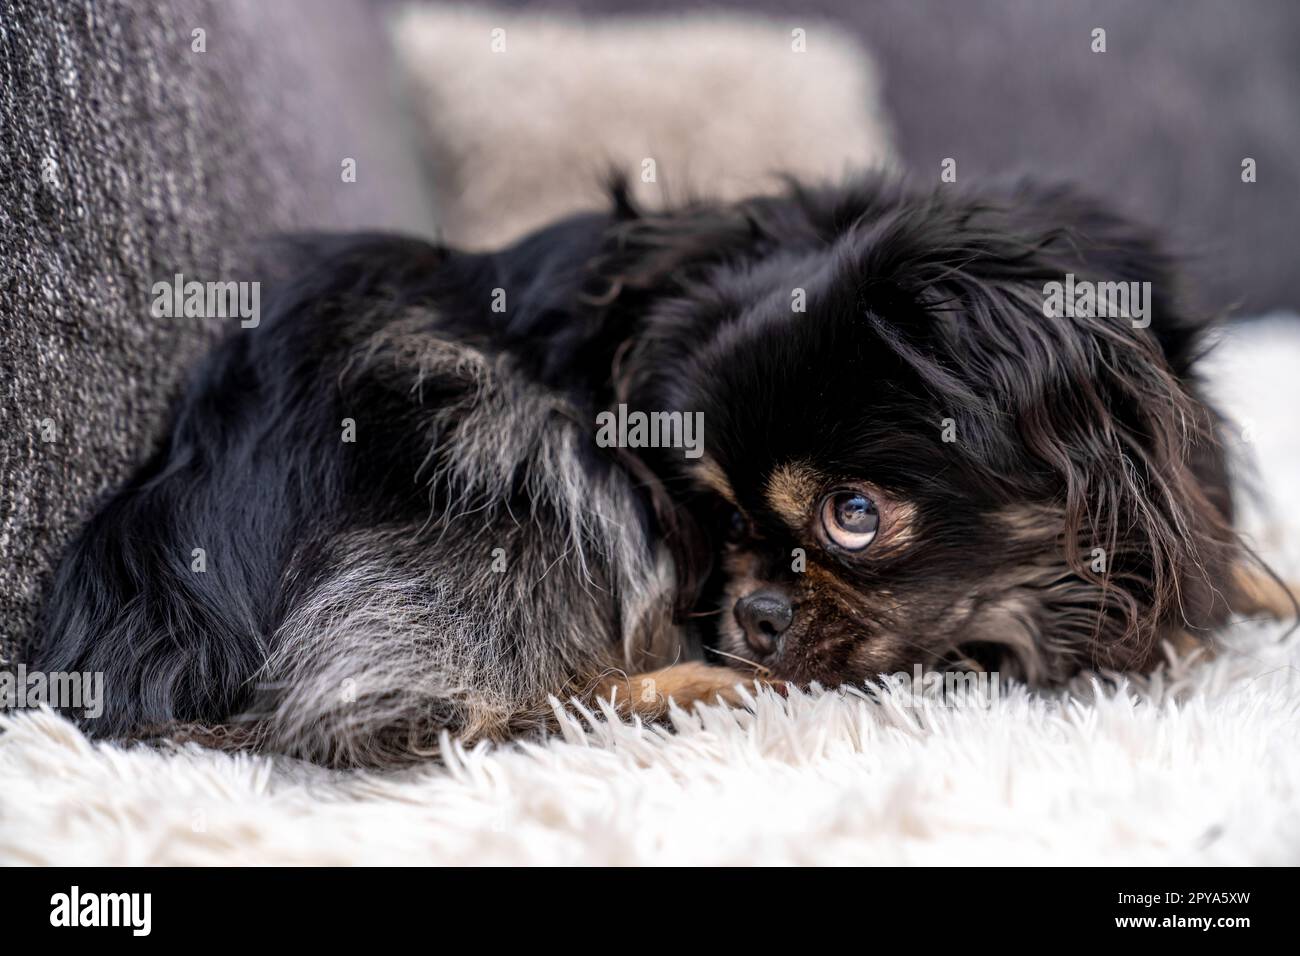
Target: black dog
(384, 513)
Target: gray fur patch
(468, 623)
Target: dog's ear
(1091, 239)
(1114, 430)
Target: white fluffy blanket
(1199, 763)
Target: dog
(384, 514)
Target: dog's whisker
(743, 660)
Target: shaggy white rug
(1199, 763)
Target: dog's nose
(763, 616)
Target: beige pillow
(525, 114)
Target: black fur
(1072, 435)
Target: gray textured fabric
(127, 157)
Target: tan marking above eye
(793, 491)
(709, 473)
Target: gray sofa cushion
(127, 158)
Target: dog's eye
(850, 519)
(737, 526)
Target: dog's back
(367, 524)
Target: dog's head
(917, 449)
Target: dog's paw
(651, 694)
(1259, 594)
